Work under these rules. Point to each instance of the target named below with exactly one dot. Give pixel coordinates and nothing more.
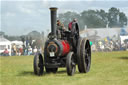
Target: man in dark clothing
(70, 24)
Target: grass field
(107, 68)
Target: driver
(60, 29)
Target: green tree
(122, 19)
(34, 35)
(103, 15)
(116, 18)
(113, 17)
(94, 19)
(2, 33)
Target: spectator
(6, 52)
(14, 50)
(20, 50)
(29, 50)
(35, 50)
(39, 50)
(25, 51)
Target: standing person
(70, 24)
(72, 27)
(20, 50)
(29, 50)
(40, 50)
(14, 49)
(25, 51)
(59, 25)
(60, 29)
(35, 50)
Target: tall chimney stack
(53, 21)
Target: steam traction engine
(68, 51)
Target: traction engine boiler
(68, 51)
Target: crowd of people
(109, 46)
(20, 50)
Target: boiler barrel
(58, 47)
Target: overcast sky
(18, 17)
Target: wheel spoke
(87, 56)
(73, 64)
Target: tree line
(96, 18)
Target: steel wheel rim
(87, 55)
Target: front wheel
(70, 64)
(38, 64)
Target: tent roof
(17, 42)
(2, 39)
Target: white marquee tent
(123, 38)
(18, 43)
(4, 43)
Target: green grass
(108, 68)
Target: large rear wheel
(79, 61)
(86, 55)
